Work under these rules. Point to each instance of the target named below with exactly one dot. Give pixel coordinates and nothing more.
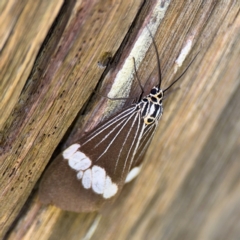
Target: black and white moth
(93, 170)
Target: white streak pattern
(129, 114)
(123, 115)
(109, 145)
(124, 145)
(147, 135)
(133, 142)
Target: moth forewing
(94, 170)
(61, 187)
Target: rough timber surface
(190, 184)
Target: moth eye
(153, 91)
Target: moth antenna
(166, 95)
(180, 75)
(139, 82)
(158, 59)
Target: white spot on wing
(98, 179)
(80, 174)
(87, 179)
(70, 151)
(94, 177)
(110, 188)
(132, 174)
(79, 161)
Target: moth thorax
(154, 113)
(150, 111)
(156, 95)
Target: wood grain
(189, 187)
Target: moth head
(156, 95)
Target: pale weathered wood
(189, 187)
(24, 25)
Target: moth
(93, 170)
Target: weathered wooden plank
(24, 25)
(63, 78)
(189, 186)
